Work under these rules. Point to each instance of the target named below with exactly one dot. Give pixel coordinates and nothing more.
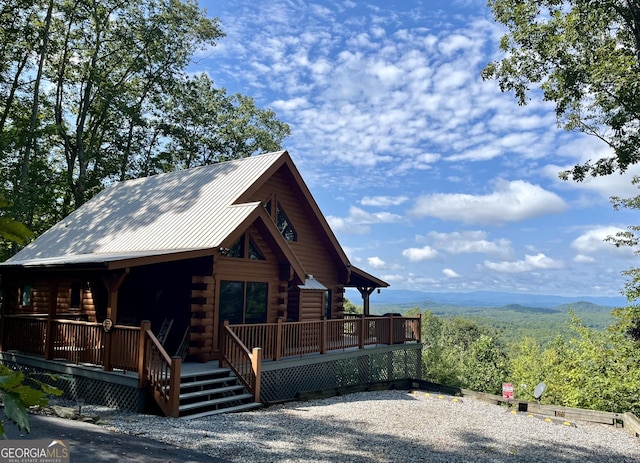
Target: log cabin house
(203, 290)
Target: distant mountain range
(479, 299)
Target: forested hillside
(514, 322)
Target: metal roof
(174, 212)
(312, 283)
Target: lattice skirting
(90, 387)
(285, 380)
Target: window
(238, 250)
(74, 296)
(243, 302)
(327, 304)
(254, 251)
(25, 297)
(284, 225)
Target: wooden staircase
(212, 390)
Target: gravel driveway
(386, 426)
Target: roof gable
(176, 214)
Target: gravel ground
(384, 426)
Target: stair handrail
(161, 372)
(245, 363)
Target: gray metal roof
(312, 283)
(174, 212)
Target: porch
(283, 353)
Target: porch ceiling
(360, 278)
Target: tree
(97, 91)
(350, 307)
(584, 55)
(458, 352)
(11, 231)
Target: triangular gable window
(239, 247)
(254, 251)
(284, 225)
(237, 250)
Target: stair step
(207, 382)
(208, 403)
(237, 408)
(189, 377)
(212, 391)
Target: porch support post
(112, 284)
(256, 372)
(49, 334)
(365, 292)
(142, 353)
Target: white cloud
(358, 220)
(292, 104)
(593, 241)
(376, 262)
(383, 201)
(339, 224)
(370, 90)
(537, 262)
(471, 242)
(360, 216)
(582, 259)
(509, 202)
(450, 273)
(418, 254)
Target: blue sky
(430, 178)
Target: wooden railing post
(279, 341)
(223, 343)
(419, 334)
(361, 335)
(323, 336)
(142, 357)
(174, 386)
(256, 372)
(391, 327)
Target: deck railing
(245, 363)
(294, 339)
(162, 373)
(73, 341)
(20, 332)
(77, 342)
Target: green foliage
(350, 307)
(583, 55)
(585, 367)
(461, 353)
(11, 231)
(19, 392)
(593, 369)
(97, 91)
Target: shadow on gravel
(247, 437)
(96, 444)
